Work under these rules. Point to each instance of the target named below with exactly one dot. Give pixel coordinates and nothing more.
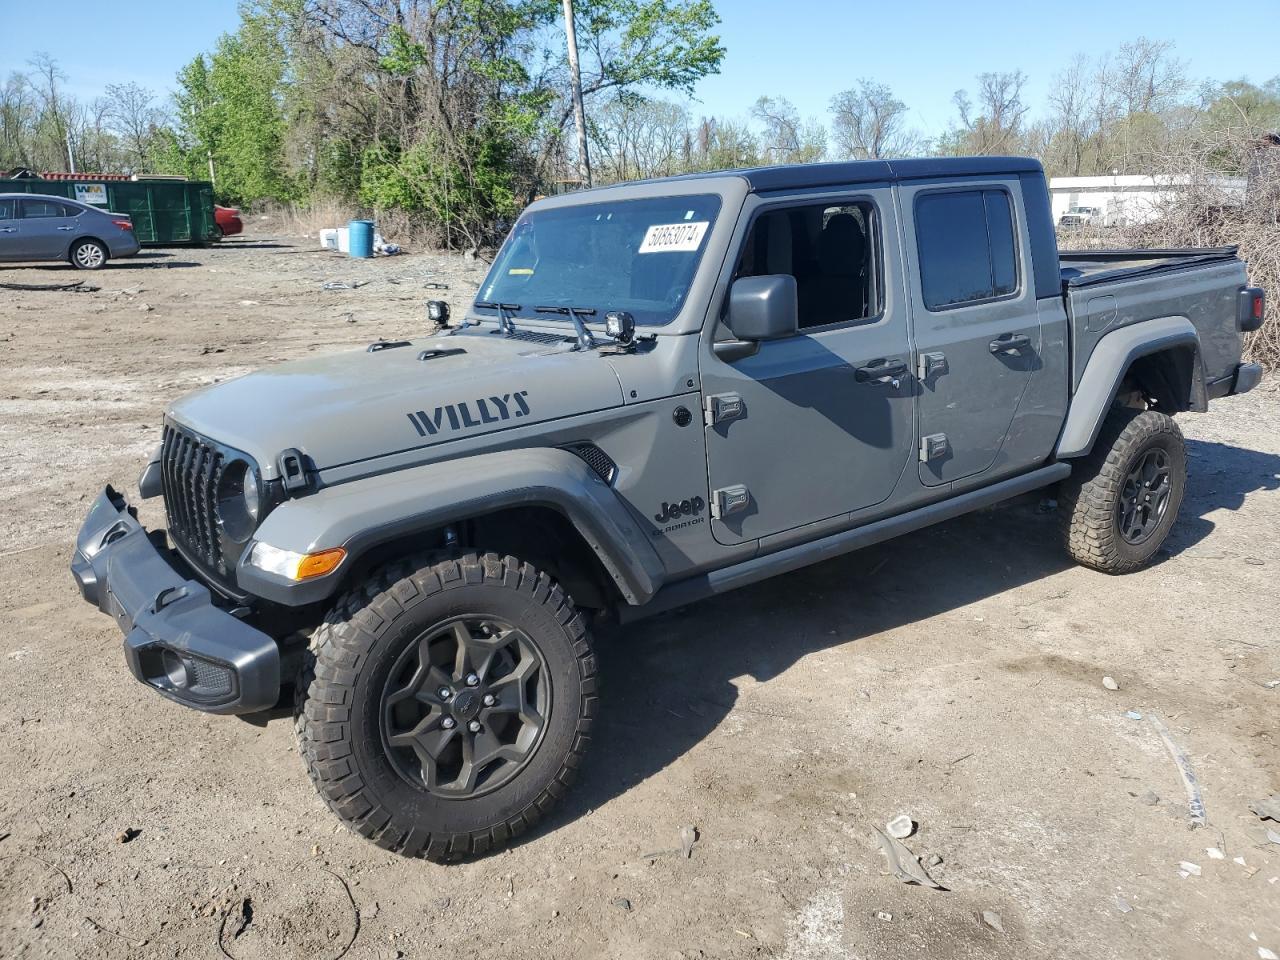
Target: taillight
(1252, 307)
(123, 224)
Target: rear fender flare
(362, 514)
(1110, 361)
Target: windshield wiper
(585, 340)
(504, 321)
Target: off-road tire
(89, 255)
(338, 703)
(1089, 501)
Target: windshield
(633, 255)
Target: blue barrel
(360, 238)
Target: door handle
(882, 371)
(66, 228)
(1009, 343)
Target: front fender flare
(361, 514)
(1106, 369)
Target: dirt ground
(954, 675)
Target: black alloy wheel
(464, 707)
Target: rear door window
(7, 209)
(43, 209)
(966, 244)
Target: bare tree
(131, 112)
(868, 123)
(994, 124)
(1069, 101)
(788, 139)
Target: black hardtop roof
(799, 176)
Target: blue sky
(805, 50)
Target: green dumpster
(164, 212)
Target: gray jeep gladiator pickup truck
(664, 390)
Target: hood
(354, 406)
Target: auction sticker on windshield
(674, 237)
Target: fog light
(174, 669)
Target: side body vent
(596, 459)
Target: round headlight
(239, 501)
(252, 496)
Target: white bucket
(344, 240)
(329, 239)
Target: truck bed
(1082, 268)
(1108, 289)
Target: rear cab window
(967, 247)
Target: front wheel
(1119, 503)
(448, 704)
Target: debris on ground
(76, 286)
(622, 903)
(1195, 802)
(1122, 905)
(1265, 954)
(688, 837)
(344, 285)
(1110, 683)
(904, 864)
(1273, 836)
(1268, 808)
(992, 920)
(1133, 715)
(128, 834)
(1150, 798)
(1214, 853)
(1188, 869)
(884, 915)
(900, 827)
(935, 860)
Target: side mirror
(763, 308)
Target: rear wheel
(1120, 502)
(447, 705)
(88, 255)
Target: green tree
(230, 110)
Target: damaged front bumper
(177, 641)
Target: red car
(228, 220)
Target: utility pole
(579, 115)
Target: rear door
(819, 424)
(10, 245)
(46, 228)
(975, 322)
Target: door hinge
(933, 447)
(722, 407)
(929, 364)
(729, 500)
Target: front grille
(190, 470)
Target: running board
(684, 592)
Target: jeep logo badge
(685, 508)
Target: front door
(46, 228)
(819, 424)
(10, 245)
(974, 323)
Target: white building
(1128, 199)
